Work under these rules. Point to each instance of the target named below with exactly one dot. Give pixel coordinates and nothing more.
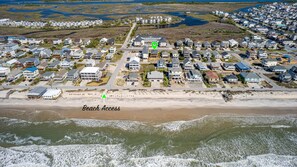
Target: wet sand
(153, 115)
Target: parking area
(83, 83)
(42, 83)
(69, 83)
(254, 85)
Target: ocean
(218, 140)
(15, 2)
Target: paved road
(140, 49)
(122, 61)
(120, 64)
(125, 44)
(149, 89)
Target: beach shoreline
(153, 115)
(149, 108)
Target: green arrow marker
(155, 45)
(103, 96)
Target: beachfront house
(232, 78)
(175, 73)
(48, 75)
(132, 79)
(72, 75)
(155, 76)
(193, 76)
(278, 69)
(60, 75)
(212, 77)
(36, 92)
(293, 72)
(285, 77)
(90, 73)
(52, 94)
(31, 73)
(134, 64)
(228, 66)
(250, 77)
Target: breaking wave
(221, 140)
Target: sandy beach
(149, 106)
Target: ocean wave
(285, 121)
(9, 138)
(84, 137)
(243, 121)
(124, 125)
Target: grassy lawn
(35, 81)
(233, 59)
(120, 82)
(207, 32)
(208, 85)
(77, 83)
(147, 67)
(287, 85)
(18, 81)
(2, 80)
(117, 57)
(265, 84)
(102, 81)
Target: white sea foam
(64, 155)
(266, 160)
(125, 125)
(179, 125)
